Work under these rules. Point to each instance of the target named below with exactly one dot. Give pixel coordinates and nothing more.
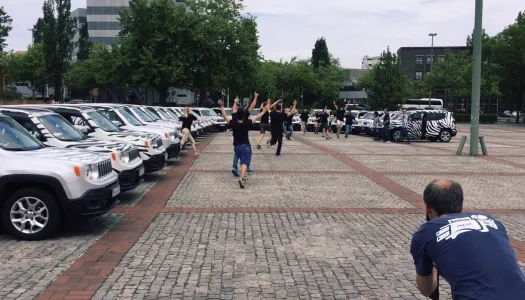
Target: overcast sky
(352, 28)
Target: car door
(414, 125)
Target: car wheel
(31, 214)
(445, 135)
(397, 136)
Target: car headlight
(92, 172)
(124, 157)
(172, 136)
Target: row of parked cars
(432, 125)
(72, 161)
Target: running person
(187, 119)
(289, 124)
(324, 124)
(340, 114)
(265, 123)
(317, 121)
(236, 159)
(304, 120)
(241, 126)
(278, 118)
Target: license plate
(165, 156)
(141, 171)
(115, 191)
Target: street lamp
(432, 35)
(302, 98)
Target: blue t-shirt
(473, 253)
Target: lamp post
(302, 98)
(476, 79)
(432, 35)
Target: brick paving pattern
(27, 268)
(329, 220)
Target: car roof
(26, 110)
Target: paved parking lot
(329, 220)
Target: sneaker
(337, 135)
(388, 142)
(241, 182)
(235, 172)
(249, 170)
(259, 147)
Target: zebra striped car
(440, 125)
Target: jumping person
(241, 126)
(265, 122)
(289, 124)
(340, 115)
(236, 158)
(187, 119)
(277, 129)
(304, 120)
(324, 124)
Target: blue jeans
(404, 132)
(348, 129)
(387, 134)
(290, 131)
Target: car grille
(104, 168)
(133, 154)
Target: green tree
(386, 85)
(5, 27)
(508, 53)
(330, 80)
(38, 31)
(320, 54)
(84, 44)
(59, 30)
(156, 39)
(29, 67)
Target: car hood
(57, 154)
(132, 136)
(98, 146)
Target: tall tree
(59, 30)
(320, 54)
(29, 67)
(5, 27)
(38, 31)
(386, 85)
(84, 44)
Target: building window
(419, 60)
(419, 75)
(441, 58)
(429, 59)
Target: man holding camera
(470, 250)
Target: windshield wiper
(21, 149)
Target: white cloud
(352, 28)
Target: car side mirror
(82, 128)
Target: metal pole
(476, 80)
(228, 98)
(432, 35)
(302, 98)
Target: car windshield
(176, 112)
(145, 117)
(13, 137)
(126, 114)
(208, 113)
(172, 114)
(103, 122)
(197, 112)
(163, 114)
(228, 112)
(256, 111)
(354, 114)
(368, 116)
(60, 128)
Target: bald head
(444, 197)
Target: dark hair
(376, 113)
(240, 113)
(444, 196)
(264, 104)
(278, 106)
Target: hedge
(465, 118)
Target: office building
(415, 62)
(369, 61)
(80, 15)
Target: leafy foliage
(5, 27)
(320, 54)
(28, 67)
(38, 31)
(83, 43)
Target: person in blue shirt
(471, 251)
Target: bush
(465, 118)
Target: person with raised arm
(240, 127)
(265, 122)
(235, 168)
(187, 119)
(277, 129)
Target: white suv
(40, 185)
(124, 118)
(91, 122)
(54, 131)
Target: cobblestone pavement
(329, 220)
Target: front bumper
(155, 163)
(173, 150)
(219, 126)
(130, 179)
(94, 203)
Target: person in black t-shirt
(187, 119)
(235, 168)
(340, 115)
(304, 120)
(386, 124)
(241, 140)
(278, 118)
(265, 123)
(324, 124)
(289, 124)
